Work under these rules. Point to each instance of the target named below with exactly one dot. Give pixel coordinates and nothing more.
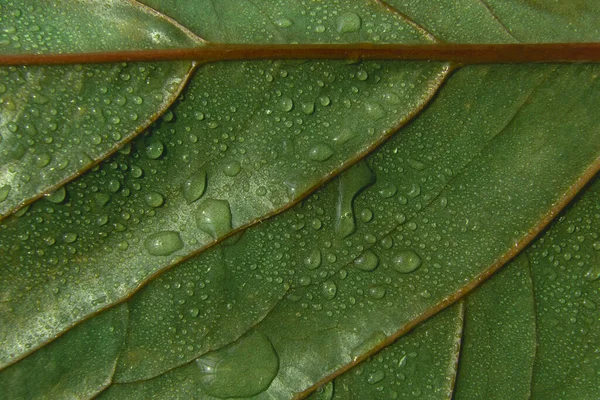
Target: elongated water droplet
(351, 184)
(242, 369)
(195, 186)
(329, 289)
(4, 191)
(320, 152)
(163, 243)
(214, 217)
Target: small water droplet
(163, 243)
(375, 377)
(242, 369)
(195, 186)
(4, 191)
(308, 108)
(214, 217)
(376, 292)
(406, 261)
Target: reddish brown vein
(458, 53)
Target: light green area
(57, 121)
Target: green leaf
(245, 141)
(220, 306)
(56, 122)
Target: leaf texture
(155, 258)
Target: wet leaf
(56, 122)
(220, 306)
(246, 140)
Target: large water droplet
(195, 186)
(351, 183)
(154, 199)
(242, 369)
(163, 243)
(406, 261)
(367, 261)
(214, 217)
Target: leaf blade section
(247, 140)
(347, 296)
(56, 122)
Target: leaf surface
(291, 303)
(245, 141)
(56, 122)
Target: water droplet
(348, 22)
(375, 377)
(69, 237)
(283, 22)
(329, 289)
(308, 108)
(163, 243)
(367, 261)
(313, 261)
(406, 261)
(286, 104)
(388, 190)
(320, 152)
(57, 196)
(214, 217)
(374, 111)
(154, 199)
(155, 149)
(101, 199)
(113, 186)
(232, 168)
(242, 369)
(195, 186)
(376, 292)
(350, 184)
(4, 191)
